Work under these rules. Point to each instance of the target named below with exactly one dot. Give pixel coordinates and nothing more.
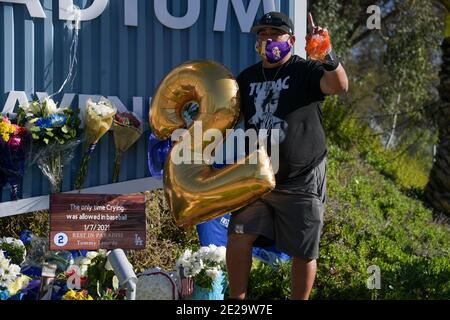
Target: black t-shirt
(287, 98)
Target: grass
(369, 221)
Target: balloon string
(91, 149)
(75, 24)
(14, 191)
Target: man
(283, 93)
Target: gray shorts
(291, 220)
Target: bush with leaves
(269, 282)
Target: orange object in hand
(318, 45)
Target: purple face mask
(274, 51)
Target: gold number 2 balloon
(197, 192)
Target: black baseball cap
(276, 20)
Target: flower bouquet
(55, 135)
(127, 129)
(98, 121)
(13, 249)
(206, 267)
(11, 280)
(79, 276)
(95, 275)
(318, 45)
(14, 148)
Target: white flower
(210, 259)
(91, 255)
(4, 263)
(218, 255)
(197, 267)
(185, 259)
(6, 281)
(14, 269)
(212, 247)
(81, 264)
(213, 273)
(8, 272)
(108, 266)
(203, 252)
(25, 107)
(51, 106)
(103, 252)
(115, 283)
(80, 261)
(83, 270)
(31, 109)
(18, 284)
(186, 255)
(103, 108)
(15, 243)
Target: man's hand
(318, 47)
(318, 43)
(314, 30)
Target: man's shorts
(291, 220)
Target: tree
(392, 69)
(395, 79)
(438, 190)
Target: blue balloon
(26, 236)
(78, 253)
(158, 151)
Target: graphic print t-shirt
(287, 98)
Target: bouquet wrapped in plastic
(55, 135)
(98, 121)
(14, 150)
(204, 266)
(14, 249)
(318, 45)
(11, 280)
(127, 129)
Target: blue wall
(113, 60)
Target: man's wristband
(331, 61)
